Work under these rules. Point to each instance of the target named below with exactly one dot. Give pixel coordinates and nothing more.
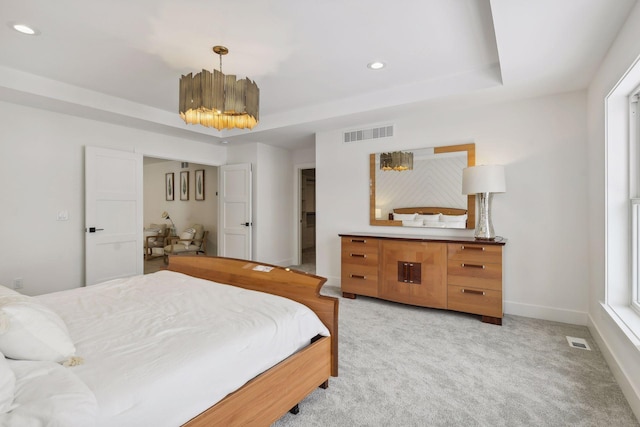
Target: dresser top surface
(419, 237)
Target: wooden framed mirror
(432, 189)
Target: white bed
(160, 349)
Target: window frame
(635, 254)
(622, 172)
(634, 198)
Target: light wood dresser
(453, 273)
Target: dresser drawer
(475, 252)
(363, 244)
(474, 274)
(473, 300)
(361, 280)
(359, 273)
(359, 251)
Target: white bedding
(161, 348)
(48, 394)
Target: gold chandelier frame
(219, 101)
(396, 161)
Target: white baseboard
(332, 281)
(546, 313)
(627, 387)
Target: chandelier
(396, 160)
(219, 101)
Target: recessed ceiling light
(376, 65)
(25, 29)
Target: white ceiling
(120, 61)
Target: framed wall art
(168, 186)
(199, 182)
(184, 185)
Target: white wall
(272, 200)
(274, 220)
(622, 355)
(42, 172)
(183, 213)
(303, 156)
(541, 142)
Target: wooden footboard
(270, 395)
(267, 397)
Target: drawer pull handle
(473, 266)
(357, 276)
(472, 291)
(358, 241)
(358, 255)
(473, 248)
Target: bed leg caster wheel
(295, 410)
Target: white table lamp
(484, 180)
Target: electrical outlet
(17, 283)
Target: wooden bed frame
(267, 397)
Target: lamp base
(484, 228)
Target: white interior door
(113, 214)
(235, 227)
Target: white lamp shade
(483, 179)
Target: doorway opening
(308, 220)
(197, 205)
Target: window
(634, 190)
(635, 254)
(622, 204)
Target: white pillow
(6, 292)
(428, 217)
(412, 223)
(187, 235)
(404, 217)
(48, 394)
(453, 218)
(30, 330)
(7, 385)
(151, 232)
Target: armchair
(155, 240)
(192, 240)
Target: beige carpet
(308, 261)
(410, 366)
(152, 265)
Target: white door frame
(297, 208)
(146, 153)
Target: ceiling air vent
(364, 134)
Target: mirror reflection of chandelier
(396, 161)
